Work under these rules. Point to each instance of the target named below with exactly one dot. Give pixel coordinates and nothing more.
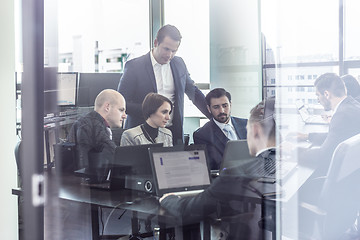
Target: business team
(153, 87)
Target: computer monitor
(50, 91)
(67, 85)
(91, 84)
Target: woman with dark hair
(156, 110)
(352, 86)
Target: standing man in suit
(331, 93)
(160, 71)
(221, 128)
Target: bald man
(92, 133)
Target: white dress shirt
(222, 125)
(164, 82)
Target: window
(97, 29)
(351, 30)
(194, 29)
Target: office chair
(339, 199)
(186, 139)
(241, 225)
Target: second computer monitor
(67, 85)
(91, 84)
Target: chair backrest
(17, 154)
(345, 164)
(18, 160)
(340, 196)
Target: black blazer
(344, 124)
(139, 79)
(215, 140)
(224, 197)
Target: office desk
(147, 208)
(142, 206)
(288, 123)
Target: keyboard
(268, 170)
(48, 120)
(274, 169)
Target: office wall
(8, 206)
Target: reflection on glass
(351, 31)
(194, 28)
(295, 33)
(293, 83)
(97, 36)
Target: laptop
(129, 162)
(135, 159)
(235, 152)
(180, 170)
(306, 116)
(271, 170)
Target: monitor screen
(91, 84)
(50, 91)
(67, 83)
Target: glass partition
(95, 189)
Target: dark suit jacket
(344, 124)
(116, 135)
(224, 197)
(215, 140)
(139, 79)
(94, 148)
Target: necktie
(230, 132)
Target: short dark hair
(217, 93)
(263, 113)
(170, 31)
(152, 102)
(330, 82)
(352, 85)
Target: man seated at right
(344, 123)
(221, 128)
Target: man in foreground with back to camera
(92, 133)
(224, 197)
(160, 71)
(221, 128)
(344, 123)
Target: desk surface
(293, 123)
(141, 202)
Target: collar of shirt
(153, 60)
(263, 150)
(108, 128)
(106, 123)
(337, 106)
(222, 125)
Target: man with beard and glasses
(331, 94)
(221, 128)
